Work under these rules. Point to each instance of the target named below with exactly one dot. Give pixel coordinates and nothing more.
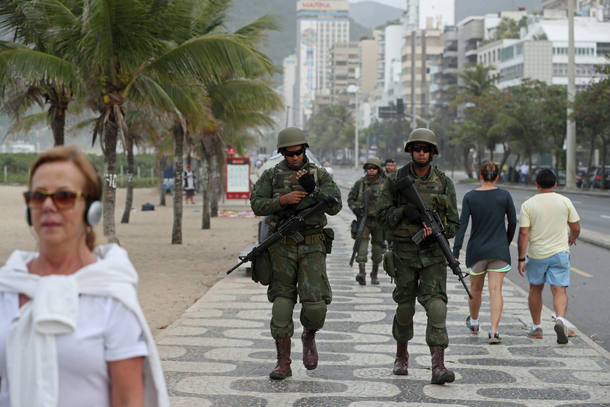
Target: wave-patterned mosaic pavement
(220, 352)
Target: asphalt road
(589, 290)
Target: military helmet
(373, 161)
(291, 136)
(421, 135)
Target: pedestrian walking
(370, 186)
(487, 252)
(523, 173)
(420, 271)
(548, 226)
(299, 267)
(72, 332)
(189, 185)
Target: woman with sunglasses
(71, 330)
(488, 251)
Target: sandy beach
(172, 277)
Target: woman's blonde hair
(489, 171)
(72, 154)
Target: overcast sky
(395, 3)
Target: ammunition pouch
(262, 270)
(388, 263)
(354, 228)
(329, 236)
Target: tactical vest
(374, 191)
(432, 191)
(285, 181)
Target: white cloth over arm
(31, 348)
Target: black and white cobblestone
(220, 352)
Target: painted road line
(574, 269)
(605, 216)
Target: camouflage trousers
(426, 282)
(373, 233)
(299, 270)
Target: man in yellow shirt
(549, 224)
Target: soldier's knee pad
(313, 314)
(404, 313)
(437, 312)
(282, 311)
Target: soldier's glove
(412, 215)
(308, 182)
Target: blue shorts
(554, 270)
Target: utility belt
(409, 245)
(318, 237)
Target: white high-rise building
(429, 14)
(290, 71)
(320, 25)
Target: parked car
(596, 177)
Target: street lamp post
(571, 125)
(354, 89)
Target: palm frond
(25, 124)
(31, 65)
(211, 58)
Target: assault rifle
(433, 221)
(361, 225)
(291, 227)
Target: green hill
(280, 43)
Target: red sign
(231, 151)
(237, 171)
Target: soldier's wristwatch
(521, 259)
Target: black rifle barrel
(288, 228)
(361, 225)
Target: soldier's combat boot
(401, 363)
(374, 279)
(440, 374)
(282, 369)
(361, 276)
(310, 353)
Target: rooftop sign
(323, 5)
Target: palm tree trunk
(205, 187)
(129, 195)
(58, 125)
(467, 168)
(110, 177)
(178, 168)
(215, 188)
(159, 167)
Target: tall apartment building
(421, 53)
(598, 9)
(289, 68)
(320, 25)
(446, 76)
(368, 65)
(344, 70)
(431, 14)
(547, 60)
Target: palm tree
(127, 49)
(476, 83)
(25, 22)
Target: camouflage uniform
(373, 230)
(299, 269)
(421, 271)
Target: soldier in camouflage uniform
(420, 271)
(299, 268)
(370, 184)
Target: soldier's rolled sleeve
(328, 187)
(453, 218)
(261, 200)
